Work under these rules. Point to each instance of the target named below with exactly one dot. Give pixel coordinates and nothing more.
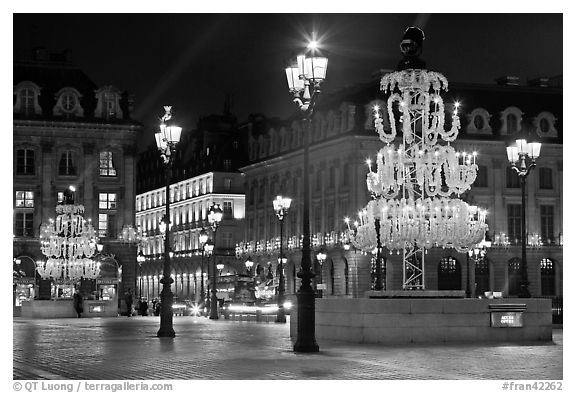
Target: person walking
(78, 303)
(128, 300)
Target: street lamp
(140, 259)
(220, 267)
(214, 217)
(477, 253)
(166, 140)
(308, 73)
(249, 263)
(208, 248)
(281, 206)
(203, 237)
(518, 152)
(321, 257)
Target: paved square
(127, 348)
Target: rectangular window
(24, 224)
(66, 165)
(515, 223)
(25, 162)
(343, 210)
(545, 175)
(512, 178)
(319, 180)
(293, 230)
(272, 227)
(547, 223)
(227, 165)
(106, 164)
(227, 184)
(261, 193)
(24, 199)
(345, 174)
(227, 209)
(251, 228)
(251, 195)
(103, 225)
(481, 177)
(332, 177)
(227, 240)
(330, 216)
(107, 201)
(317, 218)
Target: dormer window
(108, 103)
(511, 119)
(68, 103)
(544, 125)
(479, 122)
(26, 99)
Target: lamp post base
(166, 332)
(306, 340)
(281, 315)
(524, 292)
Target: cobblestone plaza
(128, 349)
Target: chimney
(539, 82)
(40, 54)
(508, 81)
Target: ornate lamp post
(166, 140)
(281, 206)
(203, 237)
(321, 257)
(214, 217)
(518, 152)
(208, 248)
(249, 263)
(476, 253)
(140, 259)
(307, 74)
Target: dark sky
(192, 61)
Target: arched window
(478, 122)
(482, 276)
(449, 274)
(346, 277)
(547, 277)
(514, 276)
(511, 123)
(332, 277)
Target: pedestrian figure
(128, 300)
(144, 307)
(78, 303)
(157, 309)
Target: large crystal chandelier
(68, 243)
(411, 207)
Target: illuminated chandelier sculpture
(68, 243)
(411, 209)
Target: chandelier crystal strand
(68, 242)
(413, 184)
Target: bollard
(258, 315)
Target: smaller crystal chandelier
(68, 242)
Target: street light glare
(313, 45)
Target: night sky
(192, 61)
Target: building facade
(342, 137)
(69, 131)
